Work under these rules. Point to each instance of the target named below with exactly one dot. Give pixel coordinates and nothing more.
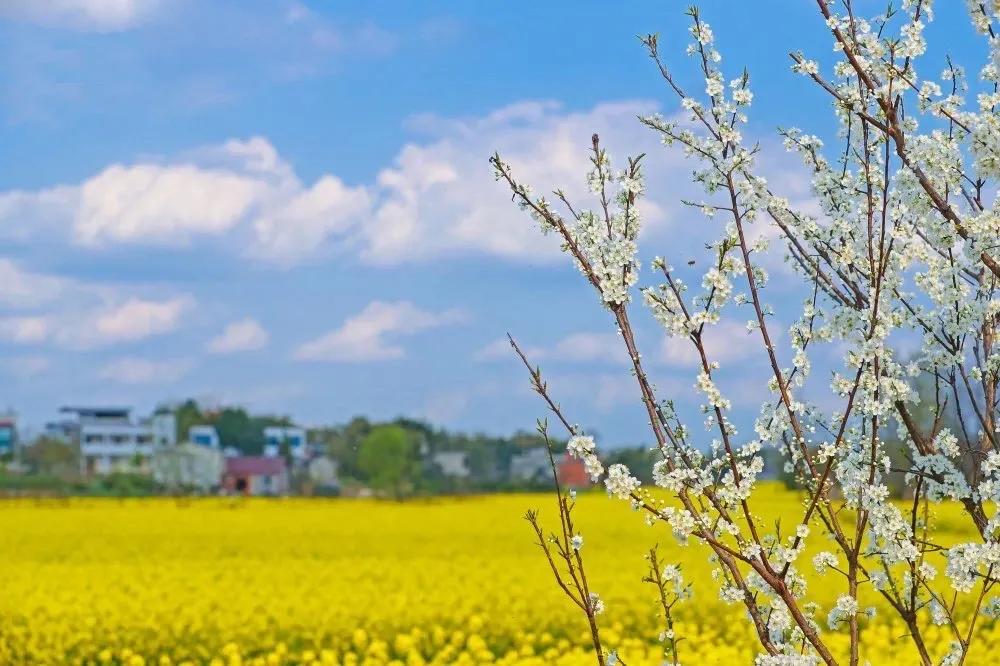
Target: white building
(291, 436)
(163, 426)
(187, 466)
(110, 440)
(531, 465)
(204, 435)
(323, 472)
(452, 463)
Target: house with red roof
(255, 475)
(572, 473)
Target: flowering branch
(904, 245)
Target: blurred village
(185, 449)
(190, 449)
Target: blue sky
(288, 205)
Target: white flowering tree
(907, 243)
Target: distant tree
(357, 429)
(236, 429)
(421, 429)
(188, 414)
(51, 456)
(638, 458)
(241, 430)
(388, 459)
(488, 457)
(343, 443)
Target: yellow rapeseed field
(360, 582)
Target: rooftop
(98, 412)
(254, 465)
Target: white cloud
(22, 288)
(136, 319)
(240, 336)
(590, 347)
(133, 370)
(288, 232)
(75, 314)
(725, 341)
(160, 204)
(87, 15)
(440, 197)
(367, 335)
(239, 186)
(127, 321)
